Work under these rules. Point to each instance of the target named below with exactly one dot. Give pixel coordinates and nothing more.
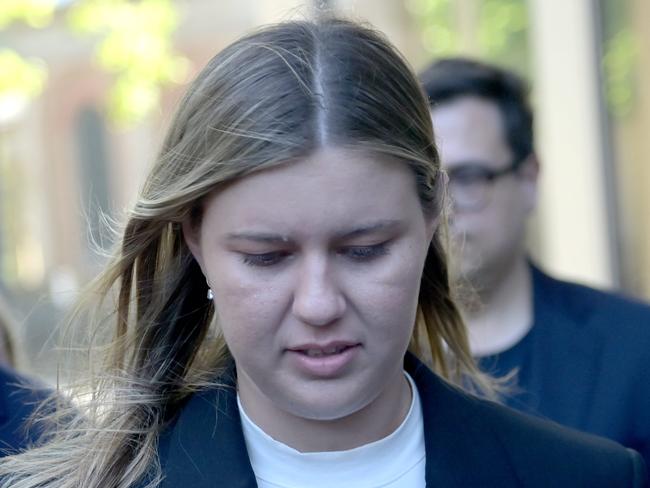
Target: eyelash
(355, 253)
(366, 253)
(263, 260)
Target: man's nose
(317, 299)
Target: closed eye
(364, 253)
(264, 259)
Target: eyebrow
(270, 238)
(379, 226)
(258, 237)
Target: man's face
(489, 212)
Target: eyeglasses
(470, 183)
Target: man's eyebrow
(379, 226)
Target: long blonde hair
(272, 97)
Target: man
(581, 355)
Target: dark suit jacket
(469, 443)
(585, 362)
(18, 398)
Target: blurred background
(88, 86)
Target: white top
(396, 461)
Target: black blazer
(585, 362)
(469, 442)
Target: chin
(322, 415)
(326, 410)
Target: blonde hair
(272, 97)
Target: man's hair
(451, 78)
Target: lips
(326, 360)
(319, 350)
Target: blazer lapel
(566, 358)
(461, 451)
(205, 447)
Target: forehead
(329, 189)
(470, 127)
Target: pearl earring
(210, 294)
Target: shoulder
(512, 448)
(586, 305)
(207, 418)
(582, 294)
(541, 450)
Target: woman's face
(315, 268)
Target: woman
(283, 256)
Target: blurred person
(19, 395)
(581, 355)
(7, 338)
(281, 261)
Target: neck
(505, 313)
(371, 423)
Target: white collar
(372, 464)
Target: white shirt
(396, 461)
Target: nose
(317, 299)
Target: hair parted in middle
(273, 97)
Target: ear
(192, 236)
(529, 176)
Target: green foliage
(500, 35)
(620, 53)
(499, 29)
(502, 29)
(35, 13)
(136, 46)
(618, 65)
(436, 19)
(20, 77)
(133, 43)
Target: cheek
(482, 229)
(508, 218)
(393, 314)
(389, 301)
(248, 310)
